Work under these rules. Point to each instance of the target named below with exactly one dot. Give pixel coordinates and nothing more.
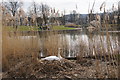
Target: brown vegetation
(20, 54)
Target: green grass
(23, 28)
(35, 28)
(61, 28)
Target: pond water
(73, 43)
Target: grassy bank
(61, 28)
(36, 28)
(22, 28)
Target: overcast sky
(69, 5)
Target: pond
(72, 43)
(75, 43)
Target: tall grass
(16, 48)
(53, 43)
(50, 43)
(19, 47)
(105, 52)
(0, 43)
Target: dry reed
(16, 48)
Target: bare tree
(45, 11)
(12, 6)
(34, 9)
(39, 11)
(21, 15)
(33, 13)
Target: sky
(70, 5)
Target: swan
(54, 57)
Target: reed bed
(50, 44)
(0, 45)
(16, 47)
(104, 51)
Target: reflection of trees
(91, 43)
(73, 37)
(74, 34)
(65, 45)
(73, 47)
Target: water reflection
(74, 43)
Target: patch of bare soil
(67, 69)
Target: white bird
(53, 57)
